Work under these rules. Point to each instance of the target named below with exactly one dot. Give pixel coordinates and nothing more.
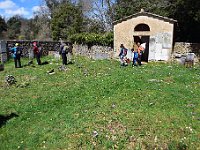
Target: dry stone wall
(26, 46)
(94, 52)
(182, 49)
(3, 52)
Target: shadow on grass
(5, 118)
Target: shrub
(93, 39)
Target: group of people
(137, 51)
(17, 53)
(65, 51)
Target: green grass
(155, 106)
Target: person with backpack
(17, 52)
(122, 55)
(36, 52)
(63, 52)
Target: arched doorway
(142, 39)
(142, 27)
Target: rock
(62, 68)
(50, 72)
(10, 80)
(95, 134)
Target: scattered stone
(113, 106)
(191, 105)
(50, 72)
(154, 80)
(30, 63)
(151, 104)
(177, 55)
(95, 134)
(10, 80)
(85, 72)
(62, 68)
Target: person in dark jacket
(63, 52)
(36, 53)
(16, 51)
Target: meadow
(96, 104)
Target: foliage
(188, 15)
(14, 26)
(67, 20)
(3, 25)
(93, 39)
(98, 105)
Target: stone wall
(182, 49)
(3, 52)
(94, 52)
(27, 46)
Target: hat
(16, 44)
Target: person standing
(122, 55)
(135, 56)
(63, 52)
(16, 51)
(36, 53)
(139, 51)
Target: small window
(142, 27)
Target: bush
(93, 39)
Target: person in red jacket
(36, 52)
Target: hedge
(93, 39)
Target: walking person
(17, 52)
(36, 52)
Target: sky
(24, 8)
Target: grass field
(99, 105)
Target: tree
(102, 11)
(14, 26)
(188, 15)
(3, 26)
(41, 24)
(67, 20)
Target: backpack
(65, 49)
(18, 51)
(125, 51)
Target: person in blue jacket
(122, 55)
(16, 52)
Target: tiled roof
(143, 13)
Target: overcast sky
(24, 8)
